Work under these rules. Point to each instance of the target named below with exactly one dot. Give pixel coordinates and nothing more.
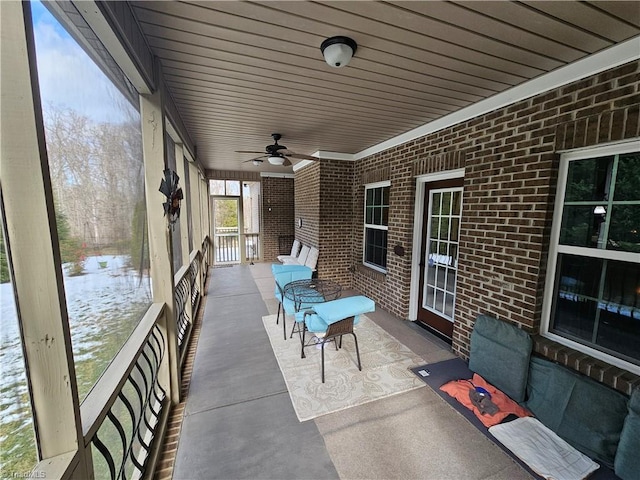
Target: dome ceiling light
(338, 51)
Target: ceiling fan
(277, 154)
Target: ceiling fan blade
(247, 151)
(260, 159)
(301, 156)
(287, 162)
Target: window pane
(619, 325)
(17, 439)
(444, 228)
(187, 204)
(435, 202)
(385, 195)
(446, 203)
(628, 178)
(232, 188)
(176, 234)
(216, 187)
(451, 280)
(453, 249)
(575, 307)
(602, 313)
(431, 273)
(376, 247)
(377, 216)
(581, 227)
(439, 306)
(94, 144)
(429, 297)
(457, 203)
(369, 215)
(377, 196)
(443, 250)
(369, 199)
(440, 276)
(579, 277)
(435, 227)
(448, 305)
(385, 216)
(624, 228)
(588, 179)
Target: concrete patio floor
(239, 422)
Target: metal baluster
(106, 454)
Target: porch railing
(227, 248)
(124, 411)
(125, 415)
(252, 247)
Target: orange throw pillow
(459, 389)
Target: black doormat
(437, 374)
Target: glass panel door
(439, 256)
(226, 230)
(442, 258)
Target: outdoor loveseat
(598, 421)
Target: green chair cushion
(500, 353)
(583, 412)
(627, 461)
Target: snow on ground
(96, 302)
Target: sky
(68, 77)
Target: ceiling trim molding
(333, 155)
(611, 57)
(277, 175)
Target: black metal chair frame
(284, 314)
(333, 334)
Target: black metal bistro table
(305, 293)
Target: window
(18, 454)
(595, 254)
(228, 188)
(376, 221)
(94, 145)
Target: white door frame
(418, 213)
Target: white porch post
(160, 245)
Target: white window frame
(368, 186)
(555, 249)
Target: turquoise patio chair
(284, 274)
(335, 319)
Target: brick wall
(277, 214)
(307, 205)
(336, 214)
(511, 162)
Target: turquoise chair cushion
(500, 353)
(288, 275)
(627, 460)
(278, 268)
(315, 324)
(337, 310)
(583, 412)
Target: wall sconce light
(338, 51)
(599, 210)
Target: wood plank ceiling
(239, 71)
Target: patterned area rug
(386, 365)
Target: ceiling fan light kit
(277, 154)
(276, 160)
(338, 51)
